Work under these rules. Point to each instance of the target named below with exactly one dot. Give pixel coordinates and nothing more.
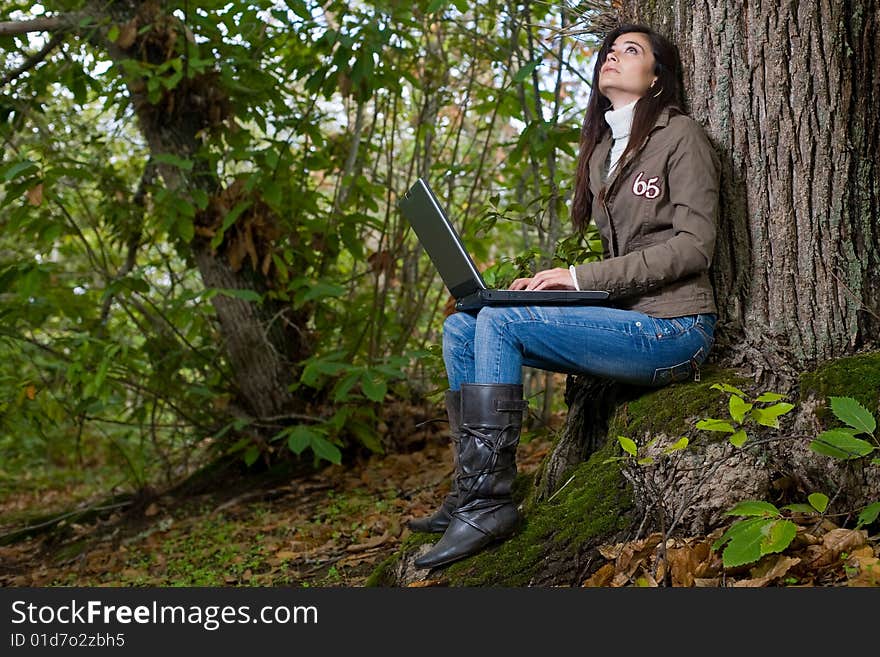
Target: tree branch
(33, 60)
(51, 24)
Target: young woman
(649, 179)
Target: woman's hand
(549, 279)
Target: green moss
(381, 575)
(854, 376)
(674, 409)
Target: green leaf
(779, 536)
(711, 424)
(185, 229)
(341, 389)
(525, 71)
(800, 508)
(840, 444)
(113, 33)
(647, 460)
(366, 434)
(728, 388)
(324, 449)
(743, 539)
(739, 438)
(245, 295)
(754, 508)
(272, 193)
(301, 437)
(318, 290)
(738, 408)
(770, 397)
(679, 444)
(238, 445)
(16, 168)
(851, 412)
(818, 501)
(228, 220)
(173, 160)
(629, 445)
(869, 514)
(437, 5)
(251, 455)
(769, 416)
(374, 386)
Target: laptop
(456, 267)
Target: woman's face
(628, 70)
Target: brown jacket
(656, 217)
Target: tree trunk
(789, 94)
(264, 341)
(591, 402)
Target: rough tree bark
(788, 93)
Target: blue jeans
(492, 345)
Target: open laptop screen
(440, 239)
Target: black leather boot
(440, 520)
(491, 422)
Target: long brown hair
(667, 68)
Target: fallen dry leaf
(287, 554)
(768, 570)
(774, 567)
(833, 544)
(845, 540)
(629, 556)
(601, 577)
(867, 567)
(427, 582)
(683, 563)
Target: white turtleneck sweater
(620, 121)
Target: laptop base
(482, 298)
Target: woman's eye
(632, 49)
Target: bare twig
(57, 519)
(560, 488)
(33, 60)
(861, 303)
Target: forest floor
(332, 527)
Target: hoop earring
(659, 92)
